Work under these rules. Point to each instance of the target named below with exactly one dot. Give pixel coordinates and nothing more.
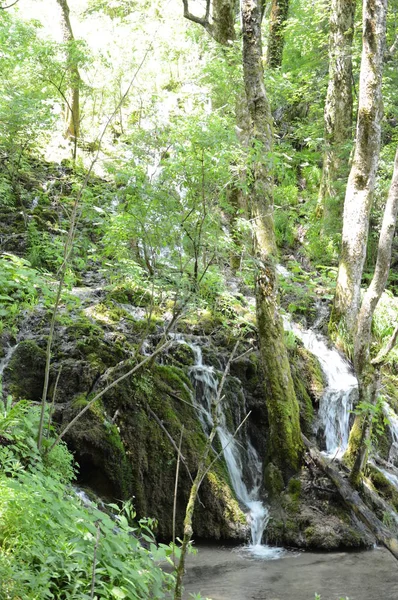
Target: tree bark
(285, 446)
(368, 373)
(72, 108)
(361, 181)
(338, 110)
(276, 38)
(224, 17)
(380, 277)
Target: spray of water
(240, 458)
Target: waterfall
(392, 419)
(239, 457)
(6, 358)
(341, 389)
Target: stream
(220, 574)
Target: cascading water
(6, 358)
(340, 393)
(237, 456)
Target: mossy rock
(24, 374)
(312, 517)
(99, 451)
(135, 457)
(134, 295)
(309, 383)
(180, 355)
(383, 486)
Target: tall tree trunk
(285, 437)
(368, 373)
(276, 38)
(224, 17)
(338, 111)
(72, 108)
(360, 187)
(285, 446)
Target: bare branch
(226, 445)
(385, 351)
(9, 6)
(203, 21)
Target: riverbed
(228, 574)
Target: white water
(392, 419)
(6, 358)
(238, 458)
(340, 393)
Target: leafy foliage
(53, 546)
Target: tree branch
(9, 6)
(385, 351)
(203, 21)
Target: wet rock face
(309, 515)
(122, 450)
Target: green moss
(354, 443)
(294, 488)
(25, 371)
(383, 486)
(308, 382)
(131, 294)
(273, 480)
(221, 490)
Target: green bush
(52, 546)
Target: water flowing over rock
(243, 463)
(341, 391)
(6, 358)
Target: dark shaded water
(224, 574)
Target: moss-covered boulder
(309, 514)
(24, 374)
(309, 383)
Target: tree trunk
(368, 373)
(72, 108)
(224, 17)
(338, 111)
(276, 38)
(285, 438)
(380, 277)
(361, 181)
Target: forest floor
(224, 574)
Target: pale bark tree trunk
(285, 446)
(72, 108)
(361, 181)
(276, 37)
(367, 370)
(338, 110)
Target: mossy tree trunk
(72, 108)
(276, 38)
(338, 112)
(285, 447)
(285, 437)
(366, 369)
(361, 181)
